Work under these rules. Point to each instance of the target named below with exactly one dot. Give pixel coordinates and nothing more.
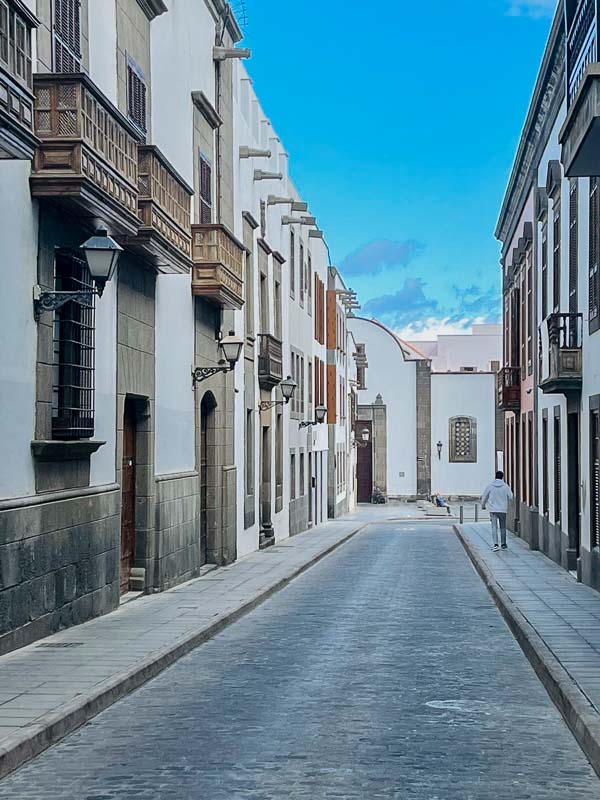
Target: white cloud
(430, 328)
(531, 8)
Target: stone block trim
(178, 531)
(59, 564)
(298, 515)
(423, 398)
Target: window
(302, 476)
(309, 285)
(292, 264)
(573, 243)
(136, 95)
(293, 476)
(529, 312)
(463, 440)
(301, 386)
(545, 499)
(277, 301)
(294, 378)
(556, 254)
(301, 273)
(15, 44)
(595, 471)
(74, 345)
(278, 460)
(594, 255)
(67, 36)
(205, 190)
(530, 476)
(264, 304)
(310, 388)
(544, 257)
(557, 468)
(249, 290)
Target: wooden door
(365, 464)
(204, 413)
(311, 484)
(128, 495)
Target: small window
(292, 264)
(293, 476)
(136, 95)
(67, 36)
(301, 273)
(205, 190)
(74, 349)
(463, 440)
(302, 476)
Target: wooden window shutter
(556, 255)
(557, 472)
(136, 96)
(595, 477)
(573, 244)
(544, 269)
(593, 255)
(205, 191)
(67, 35)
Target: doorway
(311, 489)
(207, 472)
(365, 464)
(128, 493)
(573, 478)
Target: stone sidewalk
(555, 620)
(56, 684)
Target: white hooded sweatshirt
(496, 496)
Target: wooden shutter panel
(556, 254)
(595, 478)
(573, 244)
(67, 35)
(544, 269)
(205, 192)
(593, 256)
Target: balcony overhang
(561, 385)
(580, 134)
(17, 139)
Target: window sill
(59, 450)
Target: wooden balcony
(88, 156)
(218, 265)
(17, 137)
(509, 389)
(564, 362)
(164, 207)
(270, 361)
(580, 134)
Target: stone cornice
(206, 108)
(545, 104)
(250, 219)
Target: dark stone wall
(423, 400)
(298, 515)
(59, 563)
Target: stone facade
(423, 400)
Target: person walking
(495, 497)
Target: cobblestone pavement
(383, 672)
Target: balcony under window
(509, 389)
(218, 264)
(88, 156)
(270, 361)
(17, 138)
(562, 337)
(164, 207)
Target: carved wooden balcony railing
(88, 158)
(218, 265)
(270, 361)
(164, 207)
(17, 138)
(564, 336)
(509, 389)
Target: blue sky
(401, 120)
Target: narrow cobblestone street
(385, 671)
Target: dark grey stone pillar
(423, 400)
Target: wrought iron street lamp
(320, 414)
(101, 254)
(232, 347)
(440, 445)
(288, 387)
(365, 436)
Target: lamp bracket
(356, 443)
(307, 424)
(51, 301)
(200, 374)
(265, 405)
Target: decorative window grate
(74, 346)
(67, 36)
(463, 440)
(573, 243)
(15, 43)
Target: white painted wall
(174, 414)
(454, 395)
(394, 378)
(476, 349)
(18, 345)
(103, 46)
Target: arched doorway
(207, 476)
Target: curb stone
(54, 726)
(580, 715)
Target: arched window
(463, 440)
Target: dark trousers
(497, 518)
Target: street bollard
(462, 514)
(476, 513)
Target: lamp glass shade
(365, 434)
(232, 347)
(102, 254)
(288, 387)
(320, 414)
